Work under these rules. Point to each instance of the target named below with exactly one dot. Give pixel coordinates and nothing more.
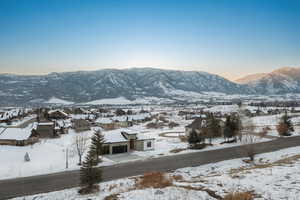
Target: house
(122, 121)
(78, 111)
(62, 126)
(57, 114)
(68, 110)
(46, 130)
(196, 125)
(116, 142)
(17, 137)
(105, 123)
(81, 125)
(138, 142)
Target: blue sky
(227, 37)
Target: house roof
(104, 120)
(114, 137)
(45, 123)
(59, 111)
(15, 134)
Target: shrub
(154, 180)
(282, 129)
(163, 119)
(151, 125)
(239, 196)
(173, 124)
(177, 150)
(198, 146)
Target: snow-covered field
(272, 176)
(49, 155)
(271, 121)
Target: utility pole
(67, 161)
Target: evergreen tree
(287, 120)
(213, 127)
(89, 175)
(97, 145)
(232, 127)
(193, 138)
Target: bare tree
(80, 146)
(248, 146)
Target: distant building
(81, 125)
(46, 130)
(17, 137)
(57, 114)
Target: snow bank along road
(58, 181)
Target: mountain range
(138, 83)
(280, 81)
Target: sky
(231, 38)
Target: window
(149, 144)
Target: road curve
(52, 182)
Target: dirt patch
(154, 180)
(178, 150)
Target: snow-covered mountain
(136, 83)
(281, 81)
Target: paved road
(52, 182)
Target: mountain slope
(111, 83)
(283, 80)
(249, 78)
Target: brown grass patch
(239, 196)
(177, 177)
(112, 197)
(111, 187)
(177, 150)
(183, 138)
(154, 180)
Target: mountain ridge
(137, 83)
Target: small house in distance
(17, 137)
(46, 130)
(81, 125)
(57, 114)
(196, 125)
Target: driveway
(123, 157)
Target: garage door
(119, 149)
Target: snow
(270, 180)
(114, 136)
(46, 156)
(125, 101)
(111, 101)
(15, 134)
(54, 100)
(223, 109)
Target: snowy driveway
(123, 157)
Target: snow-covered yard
(46, 156)
(272, 176)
